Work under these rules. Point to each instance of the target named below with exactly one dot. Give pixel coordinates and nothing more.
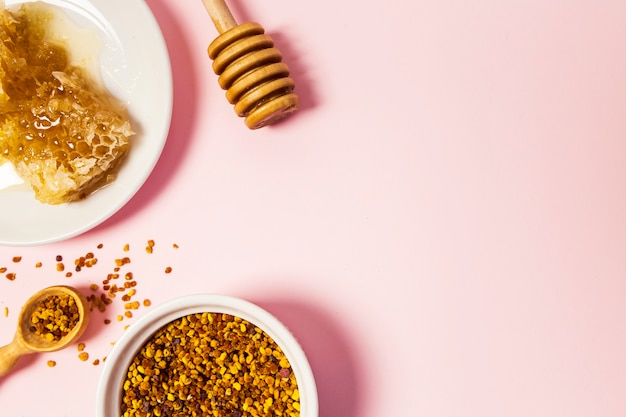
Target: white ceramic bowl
(109, 394)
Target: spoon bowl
(26, 341)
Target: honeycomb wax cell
(64, 133)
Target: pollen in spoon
(54, 317)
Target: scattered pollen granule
(150, 246)
(122, 261)
(80, 347)
(133, 305)
(118, 286)
(52, 364)
(87, 261)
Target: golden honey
(63, 132)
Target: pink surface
(442, 225)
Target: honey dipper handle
(220, 14)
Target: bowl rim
(108, 394)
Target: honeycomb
(65, 134)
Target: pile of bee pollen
(210, 364)
(54, 317)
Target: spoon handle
(9, 355)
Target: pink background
(442, 225)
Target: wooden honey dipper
(249, 68)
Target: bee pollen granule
(54, 317)
(210, 364)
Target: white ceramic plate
(109, 394)
(135, 66)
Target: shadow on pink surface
(292, 56)
(96, 321)
(329, 354)
(183, 116)
(22, 365)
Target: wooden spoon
(26, 341)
